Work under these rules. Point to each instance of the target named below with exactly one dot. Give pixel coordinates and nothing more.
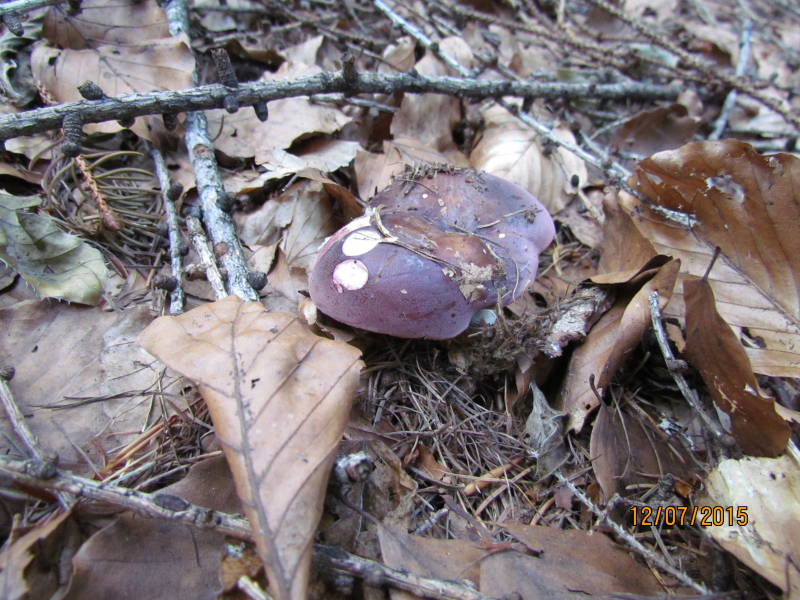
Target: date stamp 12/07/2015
(689, 516)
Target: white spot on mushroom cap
(361, 241)
(350, 275)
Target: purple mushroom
(431, 251)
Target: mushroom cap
(432, 250)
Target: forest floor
(181, 421)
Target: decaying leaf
(94, 396)
(135, 557)
(512, 150)
(763, 527)
(298, 220)
(102, 22)
(56, 264)
(375, 171)
(724, 194)
(321, 153)
(714, 350)
(429, 557)
(163, 64)
(654, 130)
(26, 565)
(431, 118)
(625, 452)
(279, 397)
(570, 564)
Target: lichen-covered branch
(213, 96)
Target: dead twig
(24, 433)
(629, 539)
(214, 200)
(675, 370)
(206, 97)
(168, 193)
(745, 48)
(171, 507)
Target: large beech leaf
(748, 205)
(714, 350)
(279, 397)
(56, 264)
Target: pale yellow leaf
(753, 509)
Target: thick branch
(213, 96)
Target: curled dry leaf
(628, 266)
(512, 150)
(376, 171)
(614, 337)
(724, 194)
(714, 350)
(279, 397)
(26, 563)
(764, 494)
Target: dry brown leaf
(102, 22)
(430, 118)
(714, 350)
(141, 558)
(26, 565)
(626, 257)
(346, 200)
(299, 220)
(430, 557)
(279, 398)
(375, 171)
(512, 150)
(768, 541)
(614, 337)
(398, 56)
(584, 217)
(90, 357)
(749, 206)
(242, 135)
(572, 565)
(165, 64)
(296, 223)
(654, 130)
(625, 453)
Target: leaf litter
(445, 465)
